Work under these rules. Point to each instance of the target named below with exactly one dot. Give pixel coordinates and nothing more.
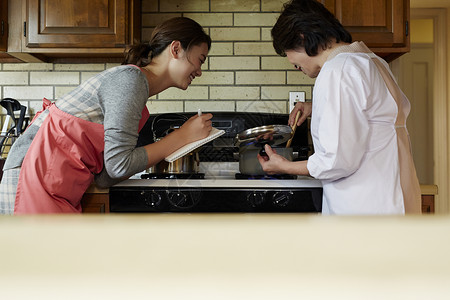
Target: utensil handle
(294, 127)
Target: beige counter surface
(224, 256)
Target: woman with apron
(358, 124)
(91, 132)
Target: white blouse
(355, 143)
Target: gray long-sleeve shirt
(114, 98)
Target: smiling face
(309, 65)
(188, 65)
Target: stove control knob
(151, 198)
(282, 199)
(255, 199)
(179, 200)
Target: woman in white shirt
(362, 152)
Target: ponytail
(138, 55)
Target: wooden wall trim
(441, 112)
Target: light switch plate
(295, 97)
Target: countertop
(224, 256)
(426, 189)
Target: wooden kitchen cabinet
(428, 204)
(73, 31)
(95, 203)
(428, 198)
(3, 24)
(381, 24)
(95, 200)
(4, 32)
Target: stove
(172, 175)
(218, 186)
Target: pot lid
(259, 136)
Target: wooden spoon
(294, 127)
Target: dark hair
(182, 29)
(307, 24)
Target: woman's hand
(305, 108)
(196, 128)
(273, 163)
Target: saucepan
(252, 141)
(188, 164)
(162, 125)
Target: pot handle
(197, 158)
(262, 152)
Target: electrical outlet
(295, 97)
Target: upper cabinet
(4, 31)
(4, 24)
(381, 24)
(81, 24)
(68, 30)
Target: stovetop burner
(265, 176)
(173, 176)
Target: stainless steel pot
(248, 160)
(252, 141)
(188, 164)
(162, 125)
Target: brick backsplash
(242, 72)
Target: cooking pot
(252, 141)
(248, 160)
(187, 164)
(162, 125)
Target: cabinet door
(95, 203)
(428, 204)
(379, 23)
(77, 23)
(4, 25)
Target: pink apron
(60, 164)
(408, 178)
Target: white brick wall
(234, 63)
(255, 19)
(54, 78)
(234, 5)
(272, 5)
(235, 93)
(235, 34)
(212, 19)
(183, 5)
(241, 73)
(14, 78)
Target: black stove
(219, 186)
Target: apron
(408, 178)
(60, 165)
